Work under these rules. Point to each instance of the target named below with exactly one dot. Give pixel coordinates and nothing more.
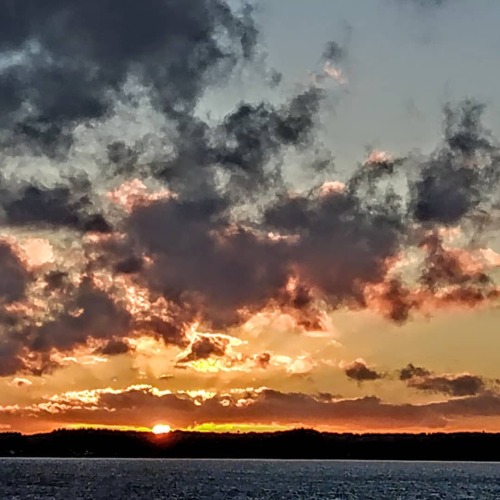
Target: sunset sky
(250, 217)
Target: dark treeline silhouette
(296, 444)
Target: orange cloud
(142, 405)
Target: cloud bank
(191, 220)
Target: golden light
(161, 429)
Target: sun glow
(161, 429)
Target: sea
(72, 479)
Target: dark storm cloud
(253, 133)
(14, 278)
(55, 280)
(60, 206)
(14, 282)
(84, 313)
(201, 264)
(447, 191)
(451, 184)
(216, 268)
(72, 55)
(212, 267)
(10, 361)
(246, 146)
(341, 244)
(359, 372)
(89, 313)
(65, 62)
(233, 238)
(443, 267)
(129, 265)
(336, 243)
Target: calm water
(221, 479)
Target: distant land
(295, 444)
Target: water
(242, 479)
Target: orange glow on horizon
(100, 427)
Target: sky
(250, 217)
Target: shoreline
(296, 445)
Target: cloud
(184, 219)
(458, 385)
(91, 313)
(204, 348)
(429, 3)
(87, 313)
(422, 379)
(411, 371)
(449, 187)
(263, 360)
(142, 405)
(14, 276)
(53, 207)
(114, 347)
(71, 56)
(333, 52)
(360, 372)
(214, 272)
(423, 4)
(14, 283)
(21, 382)
(454, 385)
(333, 55)
(335, 247)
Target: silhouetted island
(295, 444)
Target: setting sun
(161, 429)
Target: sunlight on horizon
(161, 429)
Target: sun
(161, 429)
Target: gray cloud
(90, 313)
(334, 52)
(74, 55)
(214, 267)
(453, 385)
(458, 385)
(14, 276)
(234, 237)
(14, 283)
(424, 3)
(411, 371)
(63, 206)
(202, 269)
(143, 405)
(449, 188)
(84, 313)
(359, 372)
(342, 243)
